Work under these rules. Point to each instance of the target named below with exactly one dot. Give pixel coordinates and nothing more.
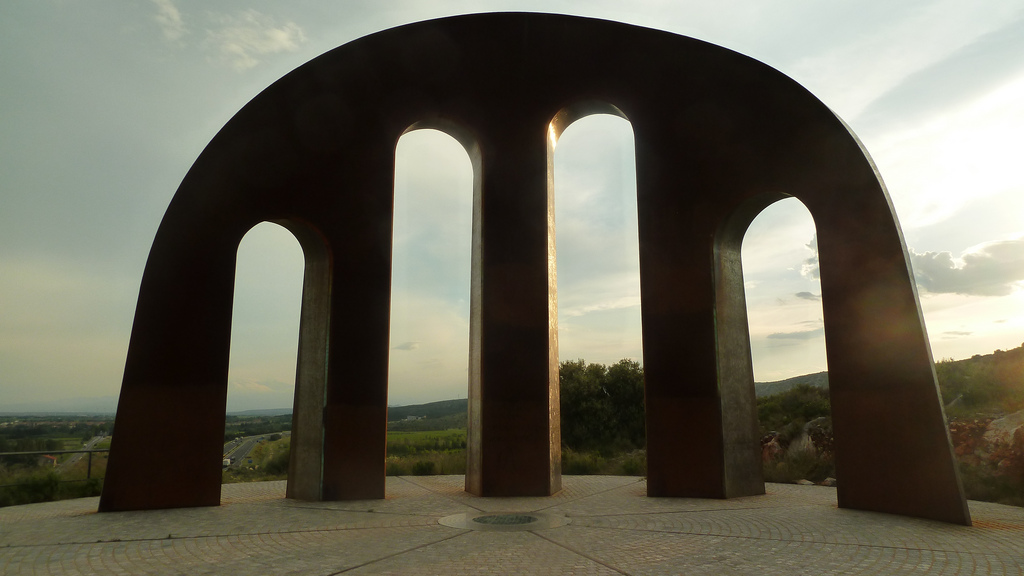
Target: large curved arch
(712, 129)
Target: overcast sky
(105, 105)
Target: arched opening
(597, 247)
(430, 305)
(787, 343)
(264, 343)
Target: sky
(105, 105)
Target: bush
(426, 464)
(46, 487)
(43, 487)
(982, 483)
(799, 465)
(396, 469)
(278, 463)
(423, 468)
(634, 464)
(788, 411)
(582, 463)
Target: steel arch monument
(718, 137)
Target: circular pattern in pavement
(504, 521)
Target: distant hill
(430, 410)
(264, 412)
(818, 380)
(105, 405)
(984, 384)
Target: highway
(76, 457)
(238, 449)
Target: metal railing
(88, 468)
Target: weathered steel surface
(718, 136)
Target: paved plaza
(429, 525)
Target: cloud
(808, 296)
(801, 335)
(169, 19)
(252, 394)
(809, 267)
(989, 269)
(264, 386)
(988, 60)
(614, 303)
(955, 334)
(407, 346)
(243, 39)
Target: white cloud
(994, 323)
(243, 40)
(989, 269)
(613, 303)
(798, 335)
(809, 267)
(169, 18)
(965, 154)
(250, 394)
(250, 386)
(894, 47)
(430, 347)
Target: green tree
(625, 386)
(602, 407)
(789, 411)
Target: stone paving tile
(60, 509)
(252, 492)
(486, 553)
(632, 498)
(309, 552)
(577, 488)
(644, 553)
(614, 529)
(406, 495)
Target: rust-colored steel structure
(718, 136)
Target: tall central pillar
(514, 439)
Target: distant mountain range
(429, 410)
(108, 404)
(818, 380)
(67, 406)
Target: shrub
(396, 469)
(581, 463)
(46, 487)
(634, 464)
(981, 483)
(423, 468)
(278, 463)
(799, 465)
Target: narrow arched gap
(598, 282)
(264, 343)
(431, 270)
(787, 341)
(783, 293)
(596, 241)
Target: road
(238, 449)
(76, 457)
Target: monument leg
(515, 446)
(355, 415)
(305, 465)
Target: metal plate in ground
(504, 521)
